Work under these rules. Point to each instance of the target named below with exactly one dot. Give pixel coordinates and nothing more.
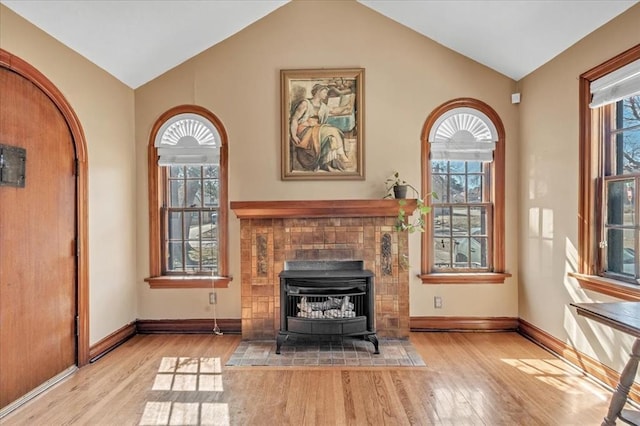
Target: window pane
(630, 146)
(478, 221)
(457, 166)
(442, 252)
(475, 188)
(176, 171)
(441, 221)
(194, 239)
(630, 112)
(439, 166)
(471, 252)
(457, 188)
(175, 260)
(440, 181)
(474, 166)
(461, 250)
(194, 171)
(210, 192)
(179, 196)
(193, 193)
(460, 221)
(620, 202)
(210, 171)
(175, 226)
(209, 240)
(176, 193)
(621, 256)
(440, 185)
(479, 247)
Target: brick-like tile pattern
(267, 243)
(317, 352)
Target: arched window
(188, 200)
(463, 165)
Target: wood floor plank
(470, 379)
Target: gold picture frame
(322, 124)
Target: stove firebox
(326, 298)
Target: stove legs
(373, 339)
(280, 339)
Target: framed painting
(322, 124)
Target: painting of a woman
(317, 145)
(321, 128)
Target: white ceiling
(138, 40)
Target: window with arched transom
(463, 169)
(188, 200)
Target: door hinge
(77, 325)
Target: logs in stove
(326, 298)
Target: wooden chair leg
(619, 397)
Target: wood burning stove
(326, 298)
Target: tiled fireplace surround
(272, 232)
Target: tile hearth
(338, 352)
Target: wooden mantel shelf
(320, 208)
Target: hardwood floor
(470, 379)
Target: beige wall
(548, 195)
(406, 77)
(105, 109)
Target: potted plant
(397, 188)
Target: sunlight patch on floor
(189, 375)
(185, 413)
(556, 373)
(185, 374)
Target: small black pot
(400, 191)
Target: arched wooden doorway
(43, 241)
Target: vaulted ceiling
(138, 40)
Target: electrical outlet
(213, 299)
(437, 302)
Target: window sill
(465, 278)
(614, 288)
(188, 282)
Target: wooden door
(37, 243)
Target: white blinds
(463, 151)
(188, 139)
(617, 85)
(186, 157)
